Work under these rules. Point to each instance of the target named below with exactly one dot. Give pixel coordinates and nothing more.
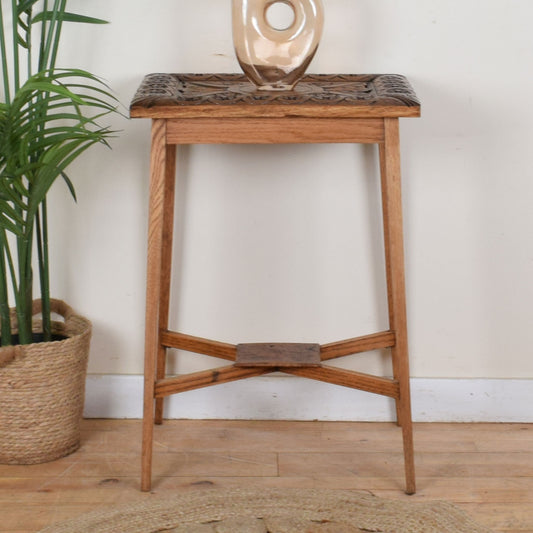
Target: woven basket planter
(42, 391)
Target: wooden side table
(225, 108)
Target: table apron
(274, 130)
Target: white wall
(283, 243)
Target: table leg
(394, 255)
(166, 267)
(158, 173)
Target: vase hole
(280, 15)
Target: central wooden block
(278, 354)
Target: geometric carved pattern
(177, 90)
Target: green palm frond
(66, 17)
(42, 131)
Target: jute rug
(275, 511)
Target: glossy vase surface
(274, 54)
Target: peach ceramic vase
(275, 40)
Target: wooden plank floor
(487, 469)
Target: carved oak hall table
(225, 108)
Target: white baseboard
(290, 398)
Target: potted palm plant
(48, 118)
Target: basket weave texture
(262, 510)
(42, 391)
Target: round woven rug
(275, 511)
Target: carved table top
(316, 95)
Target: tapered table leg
(166, 266)
(158, 173)
(394, 255)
